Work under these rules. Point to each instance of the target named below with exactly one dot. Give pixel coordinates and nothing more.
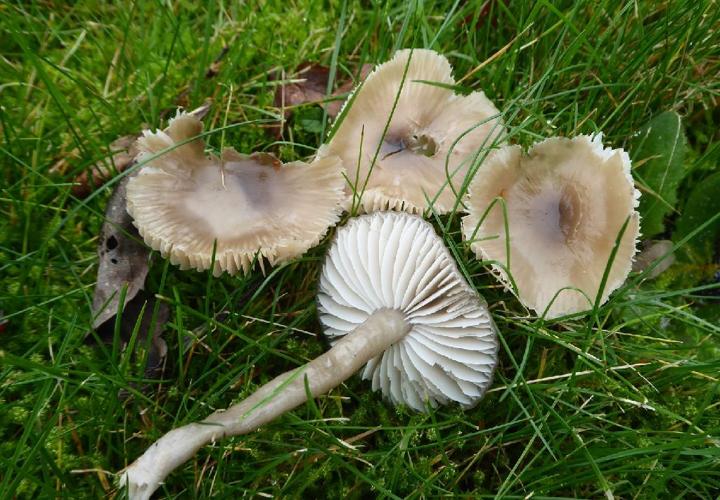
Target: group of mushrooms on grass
(558, 226)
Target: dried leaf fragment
(123, 264)
(651, 251)
(123, 259)
(312, 88)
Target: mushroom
(239, 208)
(395, 261)
(390, 296)
(406, 139)
(567, 201)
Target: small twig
(101, 474)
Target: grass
(621, 402)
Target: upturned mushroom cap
(434, 134)
(567, 201)
(185, 202)
(396, 261)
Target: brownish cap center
(419, 144)
(570, 212)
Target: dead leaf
(650, 251)
(124, 263)
(334, 107)
(312, 89)
(312, 86)
(123, 259)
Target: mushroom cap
(433, 135)
(566, 203)
(396, 261)
(184, 202)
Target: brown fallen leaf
(123, 259)
(123, 265)
(651, 251)
(334, 107)
(312, 89)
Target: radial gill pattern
(395, 260)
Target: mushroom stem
(285, 392)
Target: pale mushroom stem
(285, 392)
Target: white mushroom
(567, 201)
(395, 261)
(188, 205)
(433, 135)
(391, 296)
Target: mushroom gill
(396, 262)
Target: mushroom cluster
(557, 225)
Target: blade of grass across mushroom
(384, 134)
(505, 266)
(390, 296)
(513, 110)
(405, 110)
(497, 137)
(477, 159)
(356, 198)
(482, 153)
